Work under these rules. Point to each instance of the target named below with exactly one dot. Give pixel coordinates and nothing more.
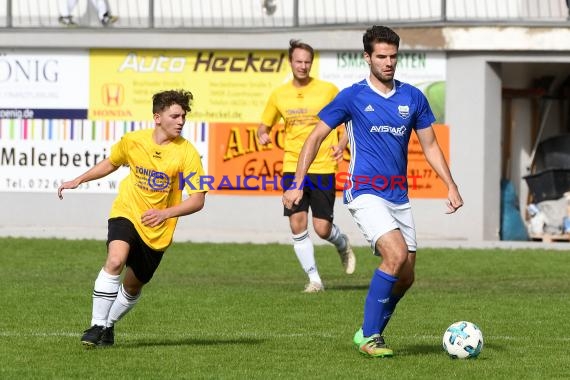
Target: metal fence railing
(205, 14)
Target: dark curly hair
(164, 99)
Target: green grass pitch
(236, 311)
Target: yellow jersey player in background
(143, 216)
(297, 103)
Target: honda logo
(112, 94)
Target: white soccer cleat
(347, 257)
(314, 287)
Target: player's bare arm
(194, 203)
(308, 153)
(100, 170)
(263, 134)
(436, 159)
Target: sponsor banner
(38, 155)
(423, 182)
(240, 165)
(425, 70)
(62, 110)
(228, 86)
(34, 80)
(35, 113)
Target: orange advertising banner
(423, 182)
(239, 165)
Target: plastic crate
(548, 184)
(553, 153)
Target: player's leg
(105, 289)
(405, 281)
(305, 251)
(405, 220)
(374, 218)
(393, 250)
(142, 263)
(322, 197)
(127, 298)
(302, 244)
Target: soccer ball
(463, 340)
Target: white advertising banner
(347, 67)
(38, 155)
(425, 70)
(44, 85)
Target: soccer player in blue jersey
(380, 113)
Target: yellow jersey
(298, 107)
(157, 176)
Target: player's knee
(322, 227)
(113, 266)
(393, 262)
(322, 232)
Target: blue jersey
(379, 128)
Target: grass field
(224, 311)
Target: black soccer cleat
(108, 337)
(92, 336)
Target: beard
(382, 77)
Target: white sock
(305, 252)
(104, 294)
(122, 305)
(336, 238)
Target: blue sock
(378, 296)
(388, 311)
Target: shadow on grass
(419, 349)
(429, 349)
(190, 342)
(341, 287)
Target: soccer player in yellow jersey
(143, 216)
(297, 103)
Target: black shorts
(319, 191)
(142, 259)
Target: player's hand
(338, 149)
(292, 197)
(264, 138)
(153, 217)
(67, 185)
(337, 152)
(454, 201)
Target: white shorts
(376, 216)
